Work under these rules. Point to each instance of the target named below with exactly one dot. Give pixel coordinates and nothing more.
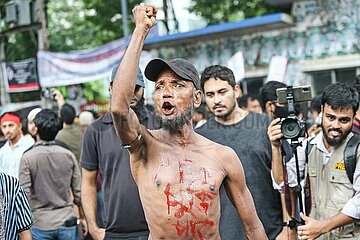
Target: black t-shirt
(123, 214)
(250, 141)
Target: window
(346, 75)
(252, 86)
(321, 79)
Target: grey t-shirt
(250, 141)
(123, 213)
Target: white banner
(60, 69)
(236, 64)
(277, 69)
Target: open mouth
(167, 108)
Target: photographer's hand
(274, 132)
(58, 97)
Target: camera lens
(290, 128)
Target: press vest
(331, 189)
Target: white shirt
(352, 207)
(10, 157)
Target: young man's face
(31, 126)
(11, 130)
(175, 98)
(254, 105)
(220, 97)
(138, 95)
(336, 124)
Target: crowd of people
(226, 172)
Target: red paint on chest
(183, 202)
(195, 227)
(167, 193)
(181, 172)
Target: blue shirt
(15, 212)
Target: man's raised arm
(126, 122)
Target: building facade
(321, 40)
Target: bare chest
(184, 188)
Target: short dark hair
(244, 99)
(68, 113)
(48, 124)
(217, 72)
(315, 104)
(340, 96)
(268, 92)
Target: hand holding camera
(274, 132)
(48, 93)
(293, 127)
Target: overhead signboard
(21, 76)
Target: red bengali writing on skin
(195, 228)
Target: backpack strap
(307, 187)
(350, 156)
(309, 147)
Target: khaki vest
(330, 190)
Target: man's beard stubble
(224, 116)
(175, 124)
(334, 142)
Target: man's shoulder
(212, 145)
(40, 149)
(102, 122)
(210, 124)
(258, 119)
(9, 181)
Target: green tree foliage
(84, 24)
(229, 10)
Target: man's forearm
(89, 205)
(276, 165)
(337, 221)
(124, 83)
(25, 235)
(256, 233)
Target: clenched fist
(144, 16)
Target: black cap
(181, 67)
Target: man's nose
(336, 124)
(217, 99)
(167, 92)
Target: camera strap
(290, 201)
(307, 187)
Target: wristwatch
(290, 224)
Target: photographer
(335, 200)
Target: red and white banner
(60, 69)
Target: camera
(293, 127)
(48, 94)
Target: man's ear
(269, 107)
(197, 98)
(238, 92)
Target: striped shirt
(15, 212)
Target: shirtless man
(178, 172)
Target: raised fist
(145, 15)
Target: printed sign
(21, 76)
